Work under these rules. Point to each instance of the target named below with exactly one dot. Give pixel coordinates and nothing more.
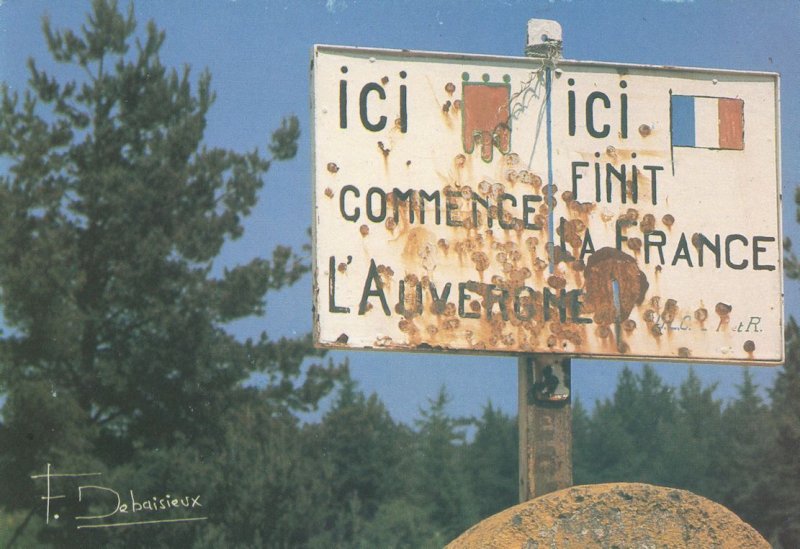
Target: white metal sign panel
(501, 205)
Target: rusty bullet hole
(635, 244)
(342, 338)
(648, 223)
(548, 189)
(342, 267)
(383, 149)
(332, 167)
(408, 162)
(623, 347)
(668, 220)
(603, 332)
(552, 341)
(567, 197)
(701, 314)
(364, 230)
(457, 105)
(656, 330)
(385, 80)
(481, 261)
(446, 107)
(432, 330)
(475, 306)
(460, 160)
(649, 316)
(723, 309)
(329, 192)
(684, 352)
(611, 151)
(659, 268)
(511, 159)
(629, 325)
(645, 130)
(450, 88)
(749, 346)
(556, 282)
(391, 223)
(696, 240)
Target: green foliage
(112, 212)
(790, 261)
(439, 481)
(492, 462)
(780, 482)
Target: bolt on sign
(504, 205)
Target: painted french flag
(707, 122)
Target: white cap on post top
(544, 38)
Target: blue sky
(258, 52)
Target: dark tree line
(115, 356)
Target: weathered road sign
(497, 205)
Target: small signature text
(127, 509)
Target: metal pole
(545, 425)
(545, 415)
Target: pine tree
(360, 450)
(624, 436)
(782, 518)
(692, 449)
(112, 212)
(441, 484)
(748, 432)
(492, 462)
